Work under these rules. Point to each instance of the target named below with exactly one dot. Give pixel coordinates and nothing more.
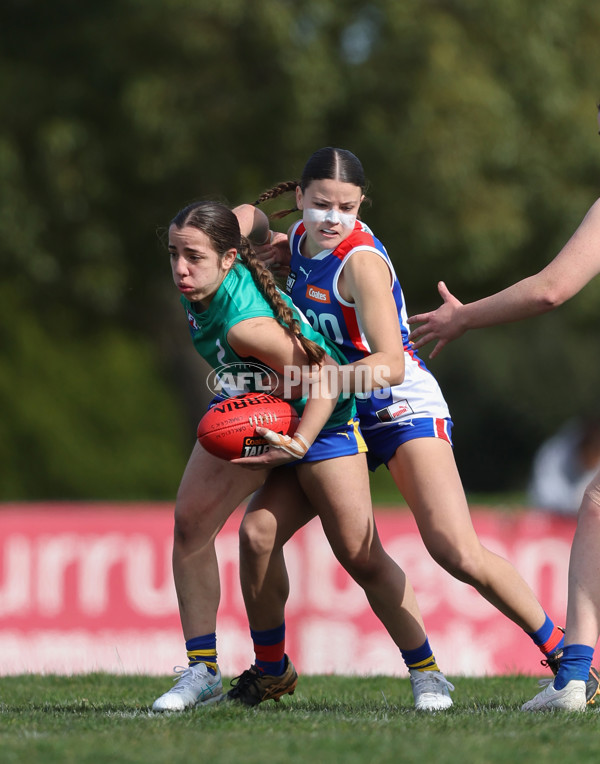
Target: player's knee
(195, 524)
(363, 564)
(185, 528)
(256, 536)
(464, 563)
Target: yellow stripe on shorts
(360, 441)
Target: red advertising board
(88, 587)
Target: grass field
(104, 718)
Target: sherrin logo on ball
(228, 429)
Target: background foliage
(475, 122)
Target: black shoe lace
(244, 683)
(553, 660)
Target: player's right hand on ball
(283, 449)
(295, 446)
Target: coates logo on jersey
(236, 378)
(317, 294)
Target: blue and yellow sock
(575, 663)
(548, 637)
(421, 659)
(269, 650)
(203, 650)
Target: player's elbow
(398, 373)
(550, 297)
(390, 373)
(245, 215)
(550, 288)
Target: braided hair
(222, 228)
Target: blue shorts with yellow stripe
(345, 440)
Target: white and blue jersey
(391, 416)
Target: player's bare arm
(575, 265)
(366, 281)
(254, 224)
(265, 339)
(271, 247)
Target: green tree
(475, 125)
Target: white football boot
(570, 698)
(431, 690)
(194, 686)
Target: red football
(228, 429)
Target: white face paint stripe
(312, 215)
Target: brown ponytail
(272, 193)
(263, 278)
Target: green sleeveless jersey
(237, 299)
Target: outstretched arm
(575, 265)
